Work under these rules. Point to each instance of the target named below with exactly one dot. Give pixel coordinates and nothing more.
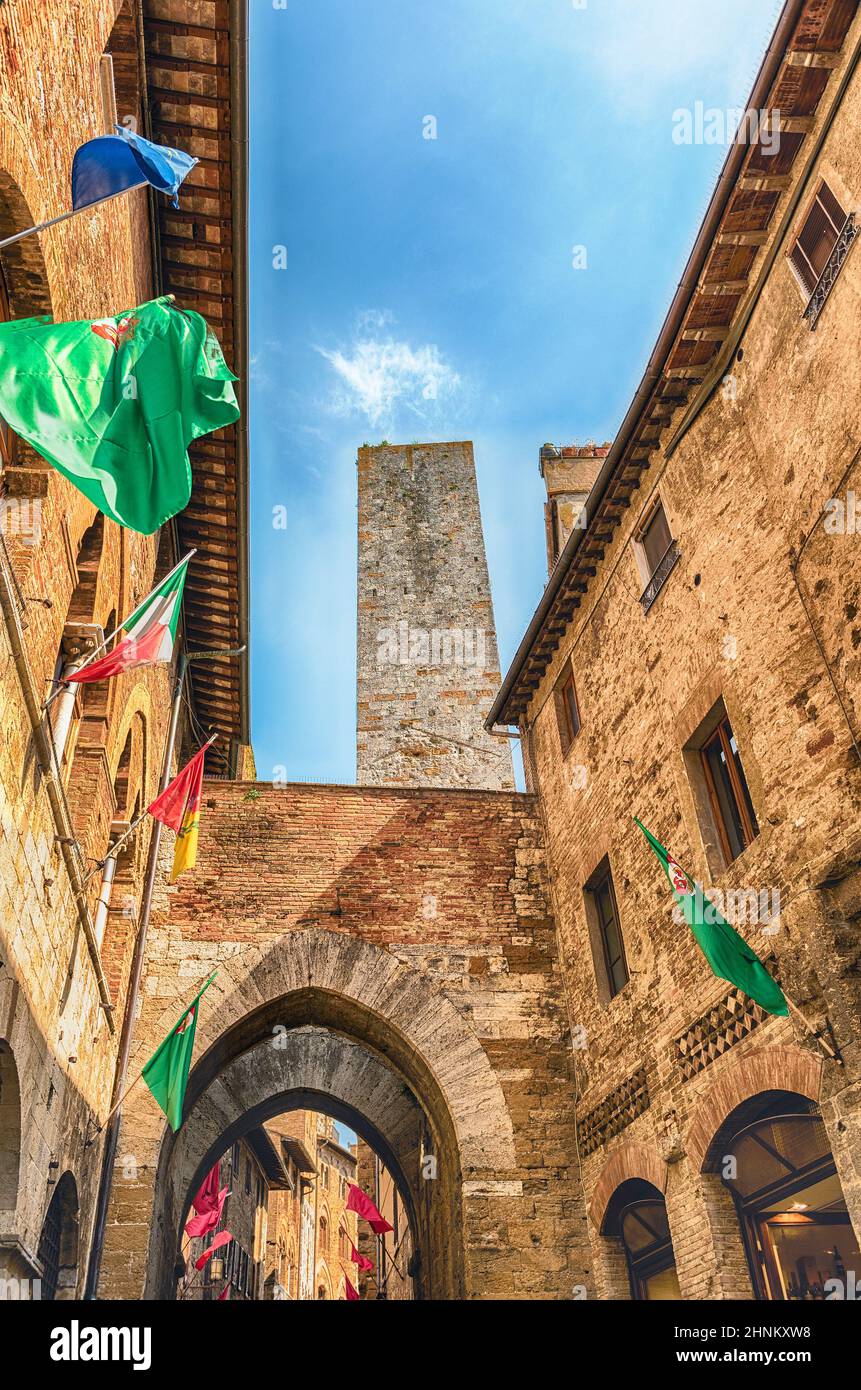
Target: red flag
(206, 1221)
(207, 1195)
(224, 1296)
(361, 1260)
(208, 1203)
(352, 1294)
(359, 1202)
(185, 788)
(223, 1238)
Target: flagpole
(111, 635)
(813, 1031)
(113, 1110)
(111, 854)
(75, 212)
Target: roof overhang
(746, 219)
(196, 58)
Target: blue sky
(429, 290)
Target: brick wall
(426, 910)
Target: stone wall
(428, 665)
(97, 264)
(743, 489)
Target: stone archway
(325, 1021)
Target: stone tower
(569, 475)
(428, 666)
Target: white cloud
(378, 377)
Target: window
(655, 538)
(247, 1177)
(608, 929)
(649, 1250)
(656, 552)
(7, 438)
(818, 237)
(567, 709)
(798, 1235)
(731, 805)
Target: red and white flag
(150, 632)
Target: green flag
(166, 1072)
(727, 953)
(113, 404)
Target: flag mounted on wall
(111, 164)
(150, 631)
(359, 1202)
(727, 953)
(179, 808)
(113, 404)
(166, 1072)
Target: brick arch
(630, 1160)
(368, 1040)
(425, 1034)
(769, 1069)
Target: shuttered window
(817, 238)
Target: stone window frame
(601, 875)
(653, 578)
(566, 726)
(709, 817)
(814, 293)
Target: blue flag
(113, 163)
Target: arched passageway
(315, 1050)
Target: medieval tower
(428, 666)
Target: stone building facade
(694, 663)
(73, 778)
(488, 986)
(428, 665)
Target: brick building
(73, 779)
(693, 661)
(488, 986)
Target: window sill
(662, 573)
(833, 267)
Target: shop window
(799, 1240)
(636, 1216)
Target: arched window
(10, 1130)
(343, 1243)
(58, 1244)
(780, 1170)
(637, 1216)
(324, 1234)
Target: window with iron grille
(817, 238)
